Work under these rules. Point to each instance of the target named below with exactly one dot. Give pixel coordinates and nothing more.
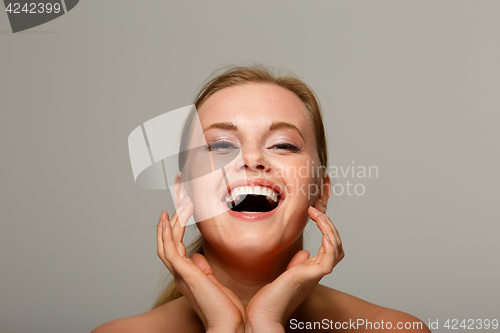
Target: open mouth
(252, 199)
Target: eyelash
(226, 145)
(288, 146)
(218, 145)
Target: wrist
(227, 329)
(263, 327)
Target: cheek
(300, 178)
(205, 192)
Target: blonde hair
(236, 75)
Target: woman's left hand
(271, 307)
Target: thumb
(202, 263)
(299, 258)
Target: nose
(254, 159)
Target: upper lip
(254, 182)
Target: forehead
(255, 104)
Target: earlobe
(322, 200)
(179, 190)
(319, 205)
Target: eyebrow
(281, 124)
(274, 126)
(224, 126)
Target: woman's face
(263, 135)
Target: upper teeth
(255, 190)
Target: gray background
(409, 86)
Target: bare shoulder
(400, 321)
(125, 325)
(174, 316)
(366, 316)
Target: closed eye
(220, 146)
(287, 146)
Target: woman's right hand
(219, 308)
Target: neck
(246, 273)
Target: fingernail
(319, 214)
(323, 217)
(328, 237)
(163, 225)
(315, 210)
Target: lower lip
(253, 216)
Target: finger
(333, 252)
(335, 231)
(179, 207)
(334, 256)
(299, 258)
(159, 233)
(178, 235)
(159, 239)
(337, 242)
(322, 223)
(201, 262)
(321, 251)
(174, 218)
(180, 226)
(169, 248)
(185, 212)
(326, 260)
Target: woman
(249, 272)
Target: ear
(179, 190)
(324, 194)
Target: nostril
(256, 166)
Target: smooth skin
(219, 308)
(208, 304)
(255, 276)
